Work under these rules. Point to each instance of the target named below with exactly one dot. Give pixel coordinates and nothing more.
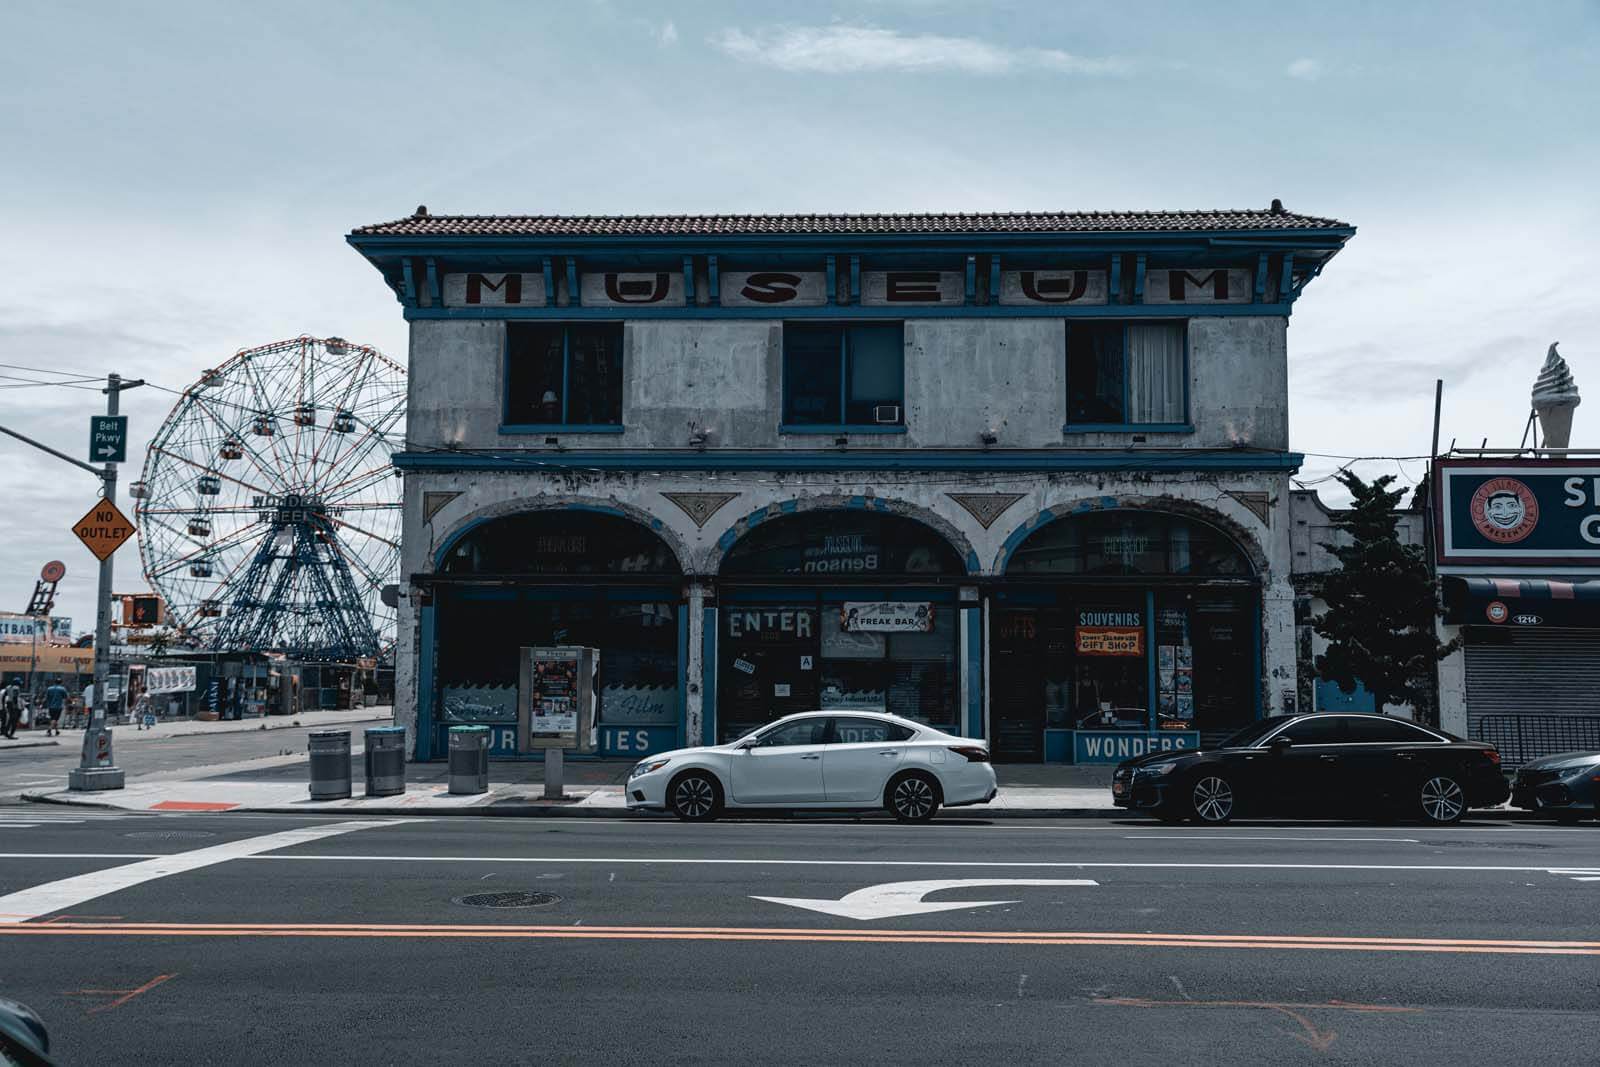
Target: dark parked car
(1566, 786)
(1321, 764)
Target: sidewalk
(592, 788)
(35, 737)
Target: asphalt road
(349, 942)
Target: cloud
(667, 35)
(1305, 69)
(847, 49)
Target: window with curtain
(1126, 373)
(844, 375)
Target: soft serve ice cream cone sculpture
(1555, 395)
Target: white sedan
(820, 760)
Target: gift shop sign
(1110, 633)
(1518, 512)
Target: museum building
(1023, 477)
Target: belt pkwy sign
(103, 529)
(893, 899)
(108, 438)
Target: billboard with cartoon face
(1522, 512)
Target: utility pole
(96, 768)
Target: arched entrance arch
(587, 576)
(1115, 630)
(847, 608)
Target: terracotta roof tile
(1012, 222)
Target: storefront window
(819, 644)
(1128, 542)
(480, 630)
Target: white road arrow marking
(905, 898)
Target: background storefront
(560, 578)
(838, 609)
(1117, 631)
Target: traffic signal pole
(96, 769)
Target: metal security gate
(1533, 692)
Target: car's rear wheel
(1442, 799)
(695, 796)
(1211, 799)
(912, 797)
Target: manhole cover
(516, 899)
(170, 835)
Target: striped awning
(1521, 602)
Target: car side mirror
(1280, 745)
(747, 746)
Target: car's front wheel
(1211, 799)
(912, 797)
(695, 797)
(1442, 800)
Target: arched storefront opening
(838, 609)
(1120, 630)
(559, 578)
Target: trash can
(386, 760)
(469, 759)
(330, 764)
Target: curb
(266, 727)
(29, 744)
(518, 810)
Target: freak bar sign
(103, 529)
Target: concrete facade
(983, 456)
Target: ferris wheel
(269, 513)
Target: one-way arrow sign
(905, 898)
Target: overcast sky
(178, 177)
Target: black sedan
(1322, 764)
(1566, 786)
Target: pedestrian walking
(10, 709)
(55, 702)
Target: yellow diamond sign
(103, 529)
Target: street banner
(169, 680)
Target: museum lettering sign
(1524, 512)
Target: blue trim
(882, 459)
(855, 280)
(1007, 311)
(574, 294)
(994, 278)
(683, 675)
(975, 678)
(1151, 721)
(1138, 279)
(1114, 293)
(1260, 292)
(450, 543)
(1286, 279)
(688, 281)
(425, 686)
(558, 427)
(798, 428)
(972, 279)
(708, 677)
(832, 270)
(435, 293)
(713, 280)
(1128, 427)
(549, 283)
(410, 280)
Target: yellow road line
(805, 935)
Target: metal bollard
(386, 760)
(330, 764)
(469, 759)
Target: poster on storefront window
(1110, 641)
(886, 616)
(1185, 707)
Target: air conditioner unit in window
(886, 413)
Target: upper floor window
(1126, 374)
(837, 376)
(564, 374)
